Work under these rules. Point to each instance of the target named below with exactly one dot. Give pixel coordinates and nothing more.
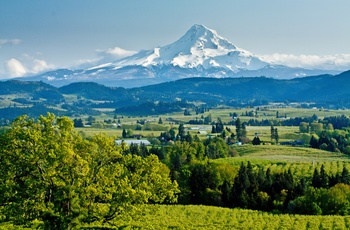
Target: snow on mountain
(199, 47)
(200, 52)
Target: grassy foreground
(206, 217)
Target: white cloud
(114, 53)
(40, 66)
(15, 68)
(9, 42)
(326, 62)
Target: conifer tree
(276, 135)
(181, 132)
(219, 127)
(345, 176)
(272, 129)
(213, 129)
(324, 178)
(124, 134)
(316, 179)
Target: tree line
(253, 187)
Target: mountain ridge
(84, 98)
(200, 52)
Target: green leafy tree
(49, 173)
(216, 148)
(304, 127)
(129, 133)
(78, 122)
(316, 201)
(316, 127)
(256, 141)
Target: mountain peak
(199, 48)
(203, 37)
(197, 29)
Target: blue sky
(40, 35)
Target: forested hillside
(20, 97)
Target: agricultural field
(206, 217)
(224, 114)
(301, 161)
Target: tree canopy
(49, 173)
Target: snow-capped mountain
(200, 52)
(200, 48)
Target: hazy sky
(39, 35)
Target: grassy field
(172, 120)
(301, 161)
(205, 217)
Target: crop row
(205, 217)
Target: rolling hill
(327, 91)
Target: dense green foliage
(96, 91)
(38, 89)
(49, 173)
